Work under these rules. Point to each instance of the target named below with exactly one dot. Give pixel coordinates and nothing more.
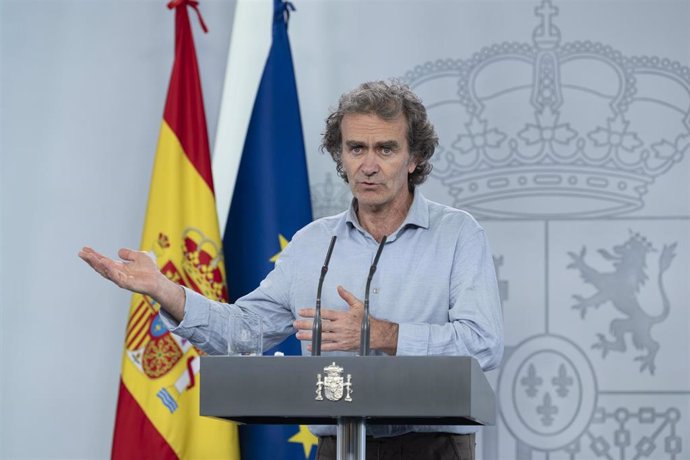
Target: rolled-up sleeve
(205, 321)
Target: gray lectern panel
(443, 390)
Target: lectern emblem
(334, 384)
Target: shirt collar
(417, 216)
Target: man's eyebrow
(354, 143)
(392, 144)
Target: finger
(331, 337)
(303, 335)
(325, 336)
(332, 315)
(302, 324)
(348, 297)
(335, 346)
(330, 347)
(88, 255)
(112, 270)
(307, 312)
(95, 261)
(330, 340)
(326, 313)
(129, 255)
(86, 251)
(96, 267)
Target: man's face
(376, 160)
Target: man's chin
(363, 194)
(368, 200)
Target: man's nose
(370, 164)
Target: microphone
(316, 327)
(365, 332)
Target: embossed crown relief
(545, 130)
(548, 129)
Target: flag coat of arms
(158, 405)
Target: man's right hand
(138, 272)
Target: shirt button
(375, 290)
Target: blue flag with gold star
(269, 204)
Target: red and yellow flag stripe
(158, 407)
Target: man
(434, 292)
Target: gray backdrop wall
(564, 128)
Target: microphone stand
(316, 326)
(365, 334)
(352, 431)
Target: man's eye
(386, 151)
(356, 150)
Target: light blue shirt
(435, 278)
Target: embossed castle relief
(573, 155)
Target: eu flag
(269, 204)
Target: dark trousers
(410, 446)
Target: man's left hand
(340, 330)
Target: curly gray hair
(388, 100)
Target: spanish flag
(158, 407)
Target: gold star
(283, 243)
(305, 438)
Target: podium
(347, 391)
